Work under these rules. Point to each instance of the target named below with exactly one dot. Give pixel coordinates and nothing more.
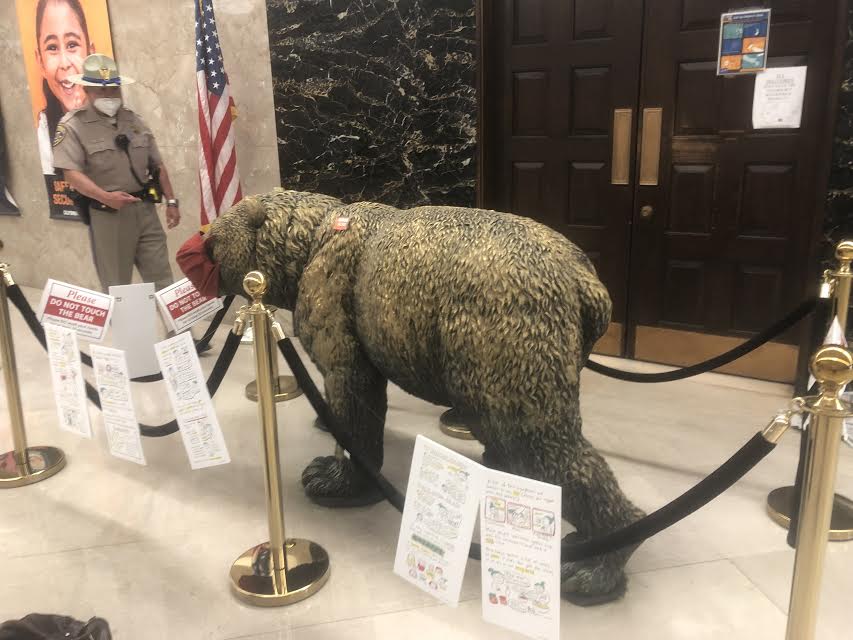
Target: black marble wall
(839, 202)
(375, 99)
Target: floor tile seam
(76, 549)
(430, 605)
(757, 586)
(693, 563)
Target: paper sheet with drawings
(66, 372)
(438, 520)
(191, 402)
(520, 564)
(777, 102)
(120, 422)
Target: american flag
(217, 157)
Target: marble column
(376, 100)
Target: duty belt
(142, 195)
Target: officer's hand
(173, 217)
(118, 199)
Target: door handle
(620, 163)
(646, 212)
(650, 146)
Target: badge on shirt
(341, 224)
(60, 134)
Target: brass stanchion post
(780, 502)
(285, 387)
(283, 570)
(832, 367)
(24, 465)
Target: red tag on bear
(341, 224)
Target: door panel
(699, 226)
(558, 70)
(725, 250)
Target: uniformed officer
(109, 155)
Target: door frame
(484, 33)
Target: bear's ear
(256, 213)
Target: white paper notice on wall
(69, 388)
(777, 102)
(520, 561)
(191, 402)
(438, 520)
(120, 422)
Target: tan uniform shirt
(85, 141)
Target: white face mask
(108, 106)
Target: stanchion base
(780, 506)
(307, 571)
(455, 425)
(287, 389)
(44, 462)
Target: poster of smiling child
(56, 36)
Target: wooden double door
(605, 120)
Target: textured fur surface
(487, 312)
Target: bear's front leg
(357, 398)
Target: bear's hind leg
(595, 504)
(592, 502)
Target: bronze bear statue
(489, 313)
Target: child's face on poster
(62, 47)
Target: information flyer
(777, 101)
(182, 305)
(744, 40)
(438, 520)
(69, 388)
(120, 422)
(191, 401)
(520, 534)
(85, 311)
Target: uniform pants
(130, 236)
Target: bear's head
(271, 233)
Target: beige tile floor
(149, 548)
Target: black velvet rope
(16, 295)
(226, 356)
(716, 362)
(693, 499)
